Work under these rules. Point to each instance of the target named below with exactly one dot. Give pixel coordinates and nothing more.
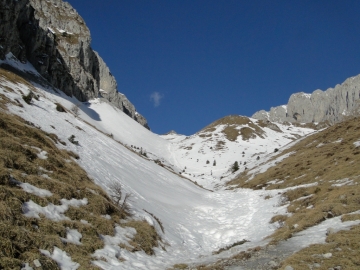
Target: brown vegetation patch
(60, 108)
(321, 156)
(328, 158)
(22, 237)
(220, 145)
(344, 247)
(146, 237)
(234, 126)
(9, 76)
(268, 124)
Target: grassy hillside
(34, 172)
(327, 163)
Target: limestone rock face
(52, 36)
(330, 105)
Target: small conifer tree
(235, 167)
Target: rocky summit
(330, 105)
(54, 38)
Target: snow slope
(194, 152)
(196, 221)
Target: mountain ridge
(54, 38)
(331, 105)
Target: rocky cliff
(52, 36)
(330, 105)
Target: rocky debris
(266, 258)
(54, 38)
(331, 105)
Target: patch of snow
(306, 95)
(276, 181)
(35, 190)
(26, 266)
(11, 60)
(51, 211)
(342, 182)
(72, 236)
(51, 30)
(63, 260)
(315, 234)
(83, 221)
(42, 155)
(357, 143)
(111, 250)
(300, 176)
(32, 189)
(301, 186)
(304, 197)
(44, 170)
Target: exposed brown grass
(234, 128)
(146, 237)
(318, 157)
(330, 159)
(22, 237)
(344, 247)
(238, 243)
(6, 75)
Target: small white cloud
(156, 98)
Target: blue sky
(187, 63)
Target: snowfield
(197, 221)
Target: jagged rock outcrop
(53, 37)
(171, 132)
(330, 105)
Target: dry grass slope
(232, 130)
(22, 237)
(331, 159)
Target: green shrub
(59, 107)
(235, 167)
(28, 97)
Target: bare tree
(120, 199)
